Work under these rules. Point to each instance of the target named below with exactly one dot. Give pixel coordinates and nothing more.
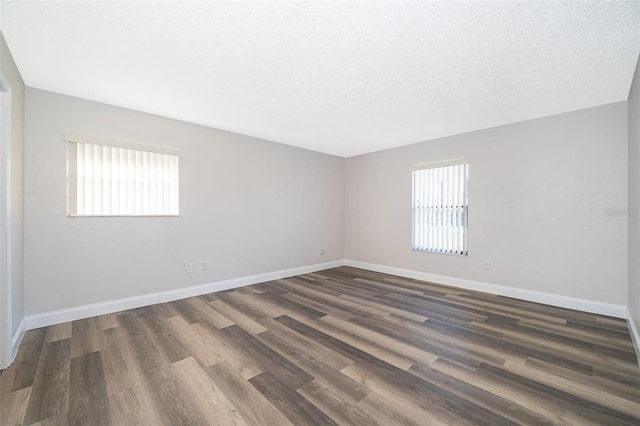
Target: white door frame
(6, 328)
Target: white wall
(17, 302)
(247, 206)
(539, 195)
(634, 201)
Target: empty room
(319, 213)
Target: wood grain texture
(50, 390)
(341, 346)
(88, 401)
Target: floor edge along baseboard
(87, 311)
(585, 305)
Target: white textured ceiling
(339, 77)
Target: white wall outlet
(321, 251)
(486, 265)
(189, 267)
(204, 266)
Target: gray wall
(548, 207)
(247, 206)
(547, 201)
(17, 198)
(634, 199)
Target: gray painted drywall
(634, 199)
(247, 206)
(547, 200)
(17, 184)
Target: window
(440, 208)
(116, 178)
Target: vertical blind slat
(434, 211)
(439, 199)
(415, 210)
(465, 186)
(97, 179)
(421, 212)
(139, 184)
(447, 228)
(79, 178)
(461, 206)
(106, 179)
(423, 237)
(454, 214)
(89, 179)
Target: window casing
(116, 178)
(441, 208)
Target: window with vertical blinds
(440, 208)
(115, 178)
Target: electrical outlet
(321, 251)
(486, 265)
(189, 267)
(204, 266)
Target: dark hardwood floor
(341, 346)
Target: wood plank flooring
(342, 346)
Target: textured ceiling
(338, 77)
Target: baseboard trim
(585, 305)
(635, 337)
(92, 310)
(45, 319)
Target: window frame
(71, 176)
(464, 206)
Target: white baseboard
(55, 317)
(87, 311)
(635, 337)
(585, 305)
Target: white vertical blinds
(440, 208)
(108, 180)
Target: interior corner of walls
(19, 334)
(16, 339)
(635, 337)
